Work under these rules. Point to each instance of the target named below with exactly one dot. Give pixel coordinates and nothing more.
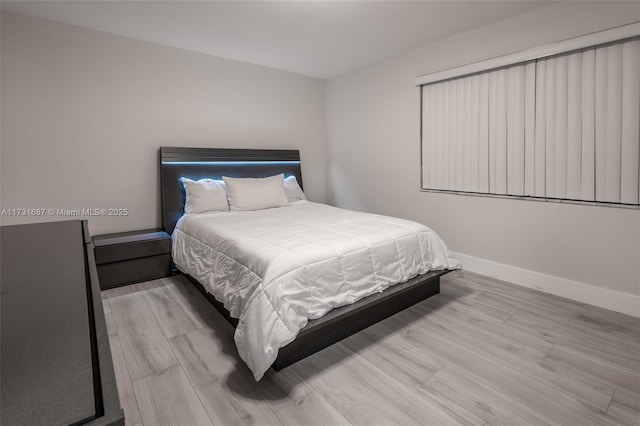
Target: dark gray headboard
(200, 163)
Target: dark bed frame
(198, 163)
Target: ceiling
(321, 39)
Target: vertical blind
(565, 126)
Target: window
(564, 124)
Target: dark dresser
(56, 361)
(130, 257)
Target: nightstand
(131, 257)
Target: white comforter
(275, 269)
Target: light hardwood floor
(481, 352)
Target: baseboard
(585, 293)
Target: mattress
(276, 269)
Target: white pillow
(205, 195)
(293, 190)
(255, 193)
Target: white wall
(84, 113)
(373, 117)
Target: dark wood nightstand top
(129, 237)
(131, 245)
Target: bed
(267, 271)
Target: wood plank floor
(482, 352)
